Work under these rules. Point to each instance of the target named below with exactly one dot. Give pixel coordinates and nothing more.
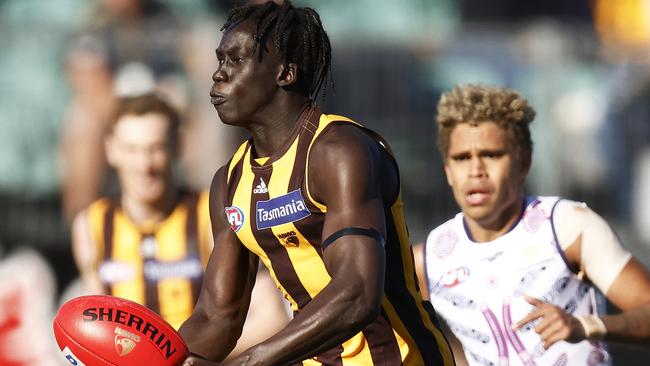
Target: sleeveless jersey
(273, 214)
(478, 289)
(161, 266)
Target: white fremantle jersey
(478, 288)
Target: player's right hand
(555, 324)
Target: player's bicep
(231, 268)
(345, 176)
(348, 183)
(631, 288)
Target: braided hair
(298, 37)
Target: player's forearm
(331, 318)
(632, 326)
(211, 337)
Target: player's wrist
(593, 326)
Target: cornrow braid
(297, 35)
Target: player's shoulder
(441, 230)
(562, 208)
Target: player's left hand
(555, 324)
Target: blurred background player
(516, 277)
(151, 243)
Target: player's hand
(555, 324)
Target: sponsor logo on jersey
(287, 208)
(454, 277)
(71, 358)
(235, 217)
(290, 238)
(186, 268)
(116, 271)
(125, 341)
(261, 188)
(136, 324)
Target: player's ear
(111, 150)
(450, 180)
(525, 161)
(288, 75)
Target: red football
(105, 330)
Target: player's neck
(270, 134)
(482, 231)
(145, 214)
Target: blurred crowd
(584, 64)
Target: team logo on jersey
(125, 341)
(261, 188)
(235, 217)
(290, 238)
(454, 277)
(287, 208)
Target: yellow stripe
(236, 157)
(242, 199)
(404, 339)
(96, 214)
(126, 248)
(205, 227)
(174, 294)
(307, 263)
(407, 263)
(356, 351)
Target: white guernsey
(479, 288)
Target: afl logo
(454, 277)
(235, 217)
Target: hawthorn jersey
(159, 266)
(270, 208)
(478, 289)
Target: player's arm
(345, 176)
(218, 317)
(420, 269)
(594, 248)
(85, 254)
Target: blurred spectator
(151, 244)
(129, 47)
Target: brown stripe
(192, 235)
(235, 176)
(109, 217)
(405, 305)
(277, 253)
(383, 345)
(331, 357)
(151, 293)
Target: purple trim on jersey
(518, 345)
(527, 201)
(556, 241)
(499, 338)
(426, 269)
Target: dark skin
(360, 180)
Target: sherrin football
(103, 330)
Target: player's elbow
(365, 308)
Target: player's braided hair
(298, 37)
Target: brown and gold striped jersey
(160, 266)
(270, 208)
